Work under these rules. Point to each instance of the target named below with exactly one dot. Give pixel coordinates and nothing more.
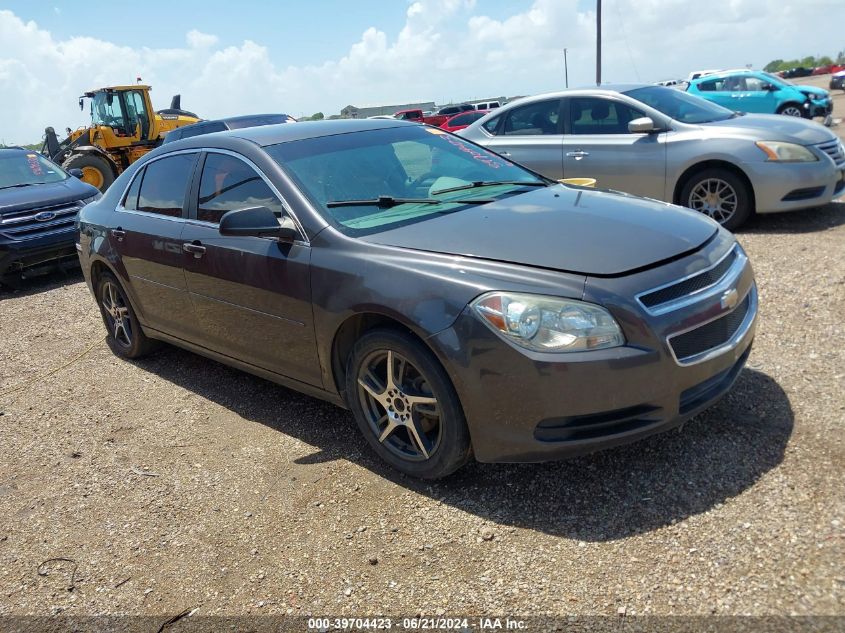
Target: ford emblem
(45, 216)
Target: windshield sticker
(34, 165)
(435, 130)
(487, 159)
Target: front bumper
(18, 255)
(792, 186)
(819, 108)
(524, 406)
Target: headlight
(786, 152)
(548, 324)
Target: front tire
(791, 109)
(96, 170)
(719, 194)
(125, 336)
(406, 406)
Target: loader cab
(126, 111)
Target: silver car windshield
(370, 181)
(680, 106)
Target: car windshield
(778, 81)
(680, 106)
(21, 169)
(370, 181)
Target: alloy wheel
(399, 406)
(792, 111)
(117, 315)
(715, 198)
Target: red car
(462, 120)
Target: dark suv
(221, 125)
(39, 203)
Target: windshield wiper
(22, 184)
(490, 183)
(386, 202)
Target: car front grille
(654, 299)
(711, 335)
(834, 150)
(34, 223)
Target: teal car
(761, 92)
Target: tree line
(808, 62)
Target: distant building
(354, 112)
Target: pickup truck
(417, 115)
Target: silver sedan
(666, 144)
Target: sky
(227, 58)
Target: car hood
(813, 90)
(583, 231)
(773, 127)
(46, 195)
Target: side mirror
(643, 125)
(258, 222)
(770, 88)
(75, 172)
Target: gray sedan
(665, 144)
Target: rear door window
(227, 184)
(165, 184)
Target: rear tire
(791, 109)
(411, 417)
(719, 194)
(125, 336)
(96, 170)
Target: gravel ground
(176, 483)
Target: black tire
(96, 170)
(127, 339)
(439, 443)
(793, 109)
(734, 204)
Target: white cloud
(447, 49)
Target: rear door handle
(194, 247)
(118, 233)
(577, 155)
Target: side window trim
(192, 209)
(142, 171)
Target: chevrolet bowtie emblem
(729, 299)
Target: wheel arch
(355, 326)
(712, 164)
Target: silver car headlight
(778, 151)
(548, 324)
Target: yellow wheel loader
(123, 128)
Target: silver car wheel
(714, 197)
(792, 111)
(117, 315)
(399, 406)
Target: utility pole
(566, 68)
(598, 42)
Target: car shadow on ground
(14, 286)
(823, 218)
(600, 497)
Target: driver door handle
(118, 234)
(194, 247)
(577, 155)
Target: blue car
(761, 92)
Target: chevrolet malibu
(670, 145)
(460, 305)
